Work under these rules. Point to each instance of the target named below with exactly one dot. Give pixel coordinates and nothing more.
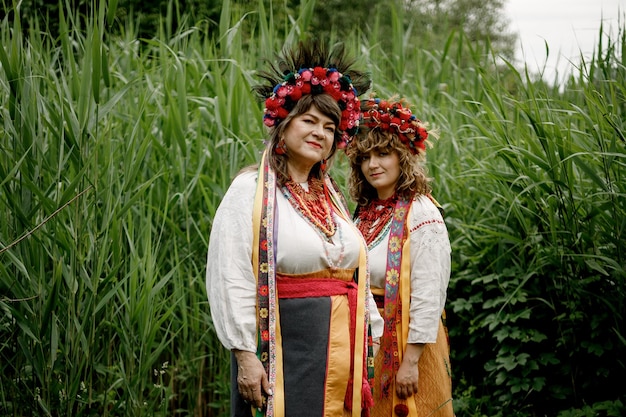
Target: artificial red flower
(335, 94)
(272, 103)
(282, 113)
(296, 94)
(282, 91)
(423, 133)
(404, 114)
(319, 72)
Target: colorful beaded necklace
(313, 205)
(373, 218)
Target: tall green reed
(92, 310)
(118, 151)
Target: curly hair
(413, 179)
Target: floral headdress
(312, 68)
(316, 80)
(394, 117)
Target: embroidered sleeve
(230, 281)
(430, 270)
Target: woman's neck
(298, 174)
(385, 194)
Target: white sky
(569, 27)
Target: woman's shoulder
(241, 189)
(424, 211)
(425, 203)
(245, 178)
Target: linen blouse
(230, 280)
(430, 268)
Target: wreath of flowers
(316, 80)
(392, 116)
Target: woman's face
(381, 168)
(309, 139)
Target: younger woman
(409, 258)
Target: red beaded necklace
(375, 216)
(313, 204)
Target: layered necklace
(313, 205)
(374, 217)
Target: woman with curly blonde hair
(409, 259)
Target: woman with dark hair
(409, 258)
(287, 277)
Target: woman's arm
(230, 280)
(430, 270)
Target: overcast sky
(569, 27)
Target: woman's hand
(408, 372)
(251, 378)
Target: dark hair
(328, 107)
(307, 54)
(413, 180)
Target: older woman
(409, 259)
(287, 278)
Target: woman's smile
(381, 168)
(309, 139)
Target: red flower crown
(316, 80)
(393, 117)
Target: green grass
(116, 151)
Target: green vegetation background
(119, 136)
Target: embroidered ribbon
(266, 289)
(393, 308)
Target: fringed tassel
(347, 402)
(367, 399)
